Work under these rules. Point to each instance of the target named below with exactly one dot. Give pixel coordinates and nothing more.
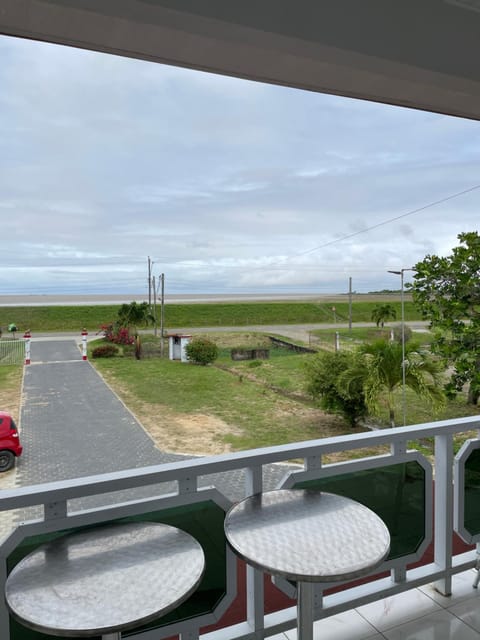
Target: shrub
(397, 333)
(328, 380)
(116, 334)
(201, 351)
(105, 351)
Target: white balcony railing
(398, 478)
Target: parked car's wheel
(7, 460)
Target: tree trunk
(473, 394)
(391, 407)
(392, 417)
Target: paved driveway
(73, 425)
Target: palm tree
(134, 314)
(383, 312)
(381, 374)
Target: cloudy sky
(229, 186)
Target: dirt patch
(196, 434)
(202, 434)
(10, 394)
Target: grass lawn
(74, 318)
(239, 404)
(325, 338)
(249, 415)
(283, 370)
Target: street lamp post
(401, 273)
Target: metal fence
(12, 351)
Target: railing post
(55, 510)
(398, 448)
(255, 577)
(477, 566)
(444, 510)
(4, 615)
(313, 462)
(187, 484)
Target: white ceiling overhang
(414, 53)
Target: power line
(278, 265)
(381, 224)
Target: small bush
(397, 333)
(105, 351)
(117, 334)
(201, 351)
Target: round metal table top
(307, 535)
(105, 579)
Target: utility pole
(154, 307)
(161, 283)
(350, 303)
(149, 263)
(162, 313)
(401, 273)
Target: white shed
(176, 346)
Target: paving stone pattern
(74, 425)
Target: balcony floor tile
(399, 609)
(469, 612)
(349, 625)
(461, 590)
(441, 625)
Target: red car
(10, 447)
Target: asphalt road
(293, 331)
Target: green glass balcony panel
(395, 492)
(472, 493)
(203, 520)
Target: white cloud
(227, 184)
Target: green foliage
(134, 315)
(201, 351)
(447, 290)
(117, 334)
(105, 351)
(354, 383)
(381, 374)
(337, 394)
(381, 313)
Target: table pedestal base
(305, 616)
